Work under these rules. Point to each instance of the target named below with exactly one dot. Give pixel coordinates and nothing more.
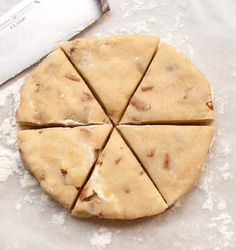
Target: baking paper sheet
(205, 30)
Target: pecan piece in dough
(87, 97)
(85, 197)
(151, 153)
(37, 85)
(147, 88)
(210, 105)
(127, 190)
(140, 105)
(64, 171)
(166, 161)
(86, 132)
(72, 77)
(117, 161)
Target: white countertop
(205, 30)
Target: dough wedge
(55, 94)
(172, 155)
(112, 66)
(118, 188)
(173, 91)
(61, 158)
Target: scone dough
(112, 66)
(61, 158)
(115, 127)
(172, 155)
(118, 187)
(55, 94)
(172, 91)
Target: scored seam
(144, 74)
(98, 99)
(140, 162)
(37, 127)
(174, 123)
(91, 171)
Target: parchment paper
(205, 30)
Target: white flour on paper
(101, 239)
(221, 222)
(27, 180)
(8, 164)
(39, 200)
(226, 172)
(9, 157)
(59, 218)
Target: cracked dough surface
(112, 157)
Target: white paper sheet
(205, 30)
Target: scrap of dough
(61, 158)
(55, 94)
(118, 187)
(172, 155)
(173, 91)
(112, 66)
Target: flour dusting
(59, 218)
(8, 164)
(222, 223)
(27, 180)
(226, 171)
(207, 186)
(9, 157)
(101, 239)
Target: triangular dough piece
(172, 91)
(55, 94)
(112, 66)
(118, 187)
(61, 158)
(172, 155)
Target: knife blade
(33, 28)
